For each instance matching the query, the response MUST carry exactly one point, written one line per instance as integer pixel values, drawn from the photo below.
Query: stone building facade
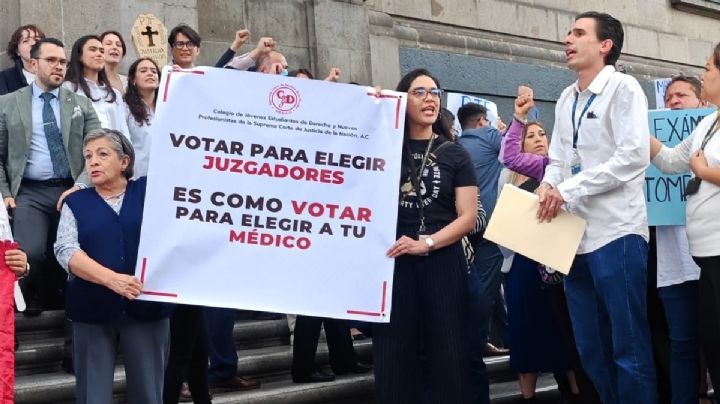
(483, 47)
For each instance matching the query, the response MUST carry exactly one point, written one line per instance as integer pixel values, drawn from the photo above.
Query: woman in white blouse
(115, 50)
(142, 89)
(700, 152)
(86, 76)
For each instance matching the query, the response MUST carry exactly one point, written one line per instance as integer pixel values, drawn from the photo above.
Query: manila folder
(514, 225)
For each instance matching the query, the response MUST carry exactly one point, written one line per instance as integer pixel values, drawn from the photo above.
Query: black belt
(52, 182)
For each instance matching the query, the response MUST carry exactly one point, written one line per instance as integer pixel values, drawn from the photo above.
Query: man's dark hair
(470, 113)
(186, 30)
(35, 50)
(607, 27)
(16, 36)
(693, 81)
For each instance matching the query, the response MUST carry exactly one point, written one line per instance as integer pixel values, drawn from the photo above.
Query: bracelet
(522, 121)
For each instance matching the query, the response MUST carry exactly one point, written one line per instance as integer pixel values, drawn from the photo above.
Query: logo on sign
(285, 98)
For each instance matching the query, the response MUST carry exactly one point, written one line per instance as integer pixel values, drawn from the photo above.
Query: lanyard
(711, 131)
(576, 127)
(416, 180)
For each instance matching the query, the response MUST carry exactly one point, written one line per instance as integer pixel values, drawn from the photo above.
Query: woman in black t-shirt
(438, 194)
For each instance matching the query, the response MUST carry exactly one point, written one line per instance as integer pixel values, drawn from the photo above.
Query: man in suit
(21, 74)
(42, 127)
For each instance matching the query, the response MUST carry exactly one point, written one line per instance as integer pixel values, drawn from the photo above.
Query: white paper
(514, 225)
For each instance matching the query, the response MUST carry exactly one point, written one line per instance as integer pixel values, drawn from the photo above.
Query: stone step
(360, 389)
(41, 347)
(508, 392)
(38, 356)
(345, 389)
(269, 364)
(47, 325)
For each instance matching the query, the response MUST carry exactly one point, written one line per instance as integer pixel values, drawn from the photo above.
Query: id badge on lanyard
(575, 162)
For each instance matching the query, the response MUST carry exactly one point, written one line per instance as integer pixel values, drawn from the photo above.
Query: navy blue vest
(112, 240)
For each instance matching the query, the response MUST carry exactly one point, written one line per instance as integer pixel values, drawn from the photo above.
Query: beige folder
(514, 225)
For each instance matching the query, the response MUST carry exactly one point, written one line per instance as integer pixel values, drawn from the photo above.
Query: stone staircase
(265, 353)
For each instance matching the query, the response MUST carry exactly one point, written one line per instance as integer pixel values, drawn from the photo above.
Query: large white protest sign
(272, 193)
(453, 102)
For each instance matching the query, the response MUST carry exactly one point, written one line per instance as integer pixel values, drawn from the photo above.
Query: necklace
(114, 196)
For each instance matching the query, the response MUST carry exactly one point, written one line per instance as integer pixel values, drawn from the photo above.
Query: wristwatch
(27, 270)
(430, 243)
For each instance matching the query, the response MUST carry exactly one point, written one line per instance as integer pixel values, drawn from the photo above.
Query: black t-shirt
(444, 171)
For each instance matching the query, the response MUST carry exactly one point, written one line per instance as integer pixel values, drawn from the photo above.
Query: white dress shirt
(674, 263)
(110, 114)
(29, 77)
(614, 152)
(141, 141)
(701, 209)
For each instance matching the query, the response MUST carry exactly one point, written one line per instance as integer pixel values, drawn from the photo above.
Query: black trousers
(188, 355)
(709, 318)
(340, 346)
(35, 221)
(429, 315)
(659, 331)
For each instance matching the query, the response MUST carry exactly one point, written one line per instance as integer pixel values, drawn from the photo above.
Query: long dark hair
(76, 71)
(404, 86)
(136, 105)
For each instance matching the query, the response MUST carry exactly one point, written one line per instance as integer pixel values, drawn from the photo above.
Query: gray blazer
(77, 118)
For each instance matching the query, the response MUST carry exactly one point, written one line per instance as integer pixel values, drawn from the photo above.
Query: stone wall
(484, 47)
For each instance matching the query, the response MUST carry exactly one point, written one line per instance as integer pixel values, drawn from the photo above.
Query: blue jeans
(606, 292)
(681, 310)
(484, 280)
(221, 344)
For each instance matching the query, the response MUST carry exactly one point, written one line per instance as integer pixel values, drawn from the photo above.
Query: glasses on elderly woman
(422, 92)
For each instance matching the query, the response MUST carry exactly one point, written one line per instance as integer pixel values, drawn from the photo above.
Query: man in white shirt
(599, 154)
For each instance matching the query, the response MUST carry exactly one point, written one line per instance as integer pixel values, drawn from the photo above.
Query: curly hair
(16, 36)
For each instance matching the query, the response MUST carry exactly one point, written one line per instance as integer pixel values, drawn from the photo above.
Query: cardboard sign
(664, 193)
(149, 36)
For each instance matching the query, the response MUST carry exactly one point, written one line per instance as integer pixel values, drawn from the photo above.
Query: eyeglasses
(180, 45)
(55, 61)
(422, 92)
